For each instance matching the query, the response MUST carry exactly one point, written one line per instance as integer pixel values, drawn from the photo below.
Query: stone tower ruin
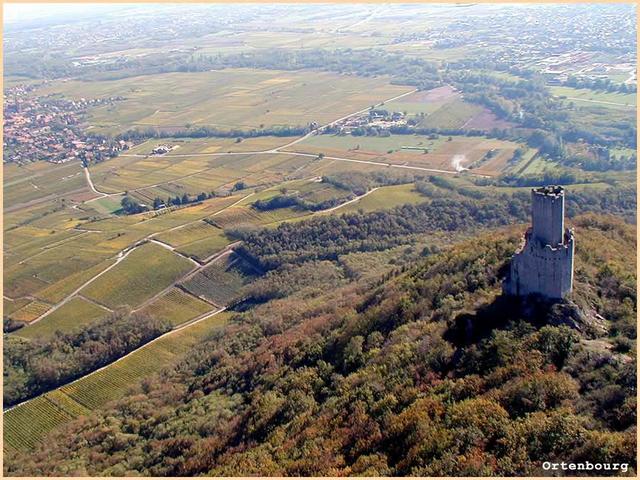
(544, 263)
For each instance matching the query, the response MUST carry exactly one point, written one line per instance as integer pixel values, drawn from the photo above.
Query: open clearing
(227, 99)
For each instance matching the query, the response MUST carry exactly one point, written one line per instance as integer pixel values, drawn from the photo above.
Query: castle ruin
(544, 263)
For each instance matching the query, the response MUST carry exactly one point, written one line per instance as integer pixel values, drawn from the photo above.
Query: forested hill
(426, 371)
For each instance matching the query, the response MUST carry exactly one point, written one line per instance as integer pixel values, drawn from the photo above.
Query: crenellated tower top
(547, 215)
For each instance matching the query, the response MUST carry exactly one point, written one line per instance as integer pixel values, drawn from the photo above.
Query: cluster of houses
(378, 119)
(47, 128)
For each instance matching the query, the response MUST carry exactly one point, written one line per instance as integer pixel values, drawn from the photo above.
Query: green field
(384, 198)
(584, 96)
(73, 315)
(29, 422)
(107, 205)
(177, 307)
(146, 271)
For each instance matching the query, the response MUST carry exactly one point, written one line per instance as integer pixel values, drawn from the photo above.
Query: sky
(24, 12)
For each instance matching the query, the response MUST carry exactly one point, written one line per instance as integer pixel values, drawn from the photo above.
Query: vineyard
(59, 290)
(206, 247)
(188, 234)
(221, 281)
(177, 307)
(146, 271)
(236, 216)
(76, 313)
(29, 422)
(30, 311)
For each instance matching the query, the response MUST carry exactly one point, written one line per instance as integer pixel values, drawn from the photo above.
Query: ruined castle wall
(542, 269)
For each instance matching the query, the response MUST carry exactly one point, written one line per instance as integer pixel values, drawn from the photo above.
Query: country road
(277, 150)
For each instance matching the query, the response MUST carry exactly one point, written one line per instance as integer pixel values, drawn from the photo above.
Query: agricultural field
(30, 311)
(445, 107)
(384, 198)
(144, 272)
(177, 307)
(221, 281)
(188, 234)
(226, 99)
(38, 181)
(582, 96)
(485, 155)
(207, 247)
(187, 146)
(29, 422)
(73, 315)
(173, 174)
(107, 205)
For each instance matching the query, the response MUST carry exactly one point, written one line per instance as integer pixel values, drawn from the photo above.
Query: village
(47, 128)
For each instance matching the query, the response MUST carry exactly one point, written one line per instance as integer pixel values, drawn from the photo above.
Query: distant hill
(424, 370)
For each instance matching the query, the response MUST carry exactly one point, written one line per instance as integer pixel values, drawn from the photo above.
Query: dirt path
(360, 197)
(121, 256)
(126, 251)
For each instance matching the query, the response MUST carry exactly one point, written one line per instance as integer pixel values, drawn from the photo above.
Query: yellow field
(227, 99)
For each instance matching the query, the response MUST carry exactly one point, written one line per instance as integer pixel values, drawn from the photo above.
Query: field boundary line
(359, 197)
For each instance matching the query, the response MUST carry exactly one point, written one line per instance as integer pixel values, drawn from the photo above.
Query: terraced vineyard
(29, 422)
